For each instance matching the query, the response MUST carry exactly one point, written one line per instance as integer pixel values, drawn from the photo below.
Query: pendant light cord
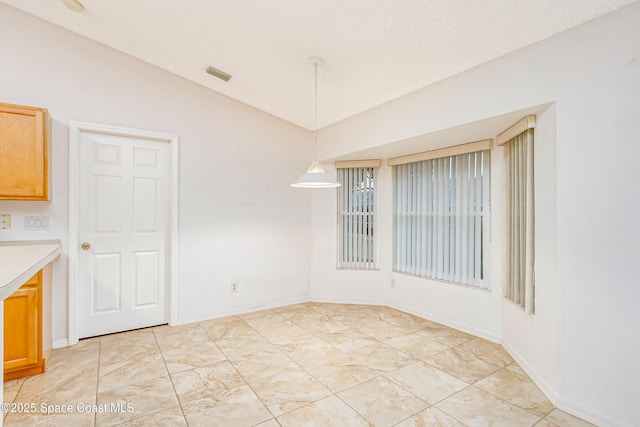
(315, 116)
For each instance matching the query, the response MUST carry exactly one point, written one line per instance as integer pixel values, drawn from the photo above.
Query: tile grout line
(157, 346)
(334, 394)
(166, 367)
(238, 372)
(421, 361)
(331, 393)
(506, 401)
(378, 374)
(297, 364)
(4, 415)
(95, 415)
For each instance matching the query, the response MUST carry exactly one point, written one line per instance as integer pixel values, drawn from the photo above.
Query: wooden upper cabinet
(24, 152)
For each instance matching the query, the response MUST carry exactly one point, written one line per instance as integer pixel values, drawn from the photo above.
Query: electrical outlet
(393, 283)
(234, 288)
(5, 221)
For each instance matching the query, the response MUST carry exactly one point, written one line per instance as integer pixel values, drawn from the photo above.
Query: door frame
(76, 129)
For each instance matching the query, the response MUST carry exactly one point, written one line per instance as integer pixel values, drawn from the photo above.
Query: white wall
(598, 211)
(582, 346)
(533, 339)
(348, 286)
(583, 342)
(239, 220)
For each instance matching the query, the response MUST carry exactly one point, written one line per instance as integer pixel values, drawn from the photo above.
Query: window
(441, 210)
(356, 215)
(519, 280)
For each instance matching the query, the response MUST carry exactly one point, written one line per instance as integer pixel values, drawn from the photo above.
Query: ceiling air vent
(219, 74)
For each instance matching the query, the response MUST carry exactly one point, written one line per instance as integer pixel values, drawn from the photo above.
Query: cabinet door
(21, 319)
(24, 169)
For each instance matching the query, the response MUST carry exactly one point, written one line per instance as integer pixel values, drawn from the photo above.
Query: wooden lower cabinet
(24, 354)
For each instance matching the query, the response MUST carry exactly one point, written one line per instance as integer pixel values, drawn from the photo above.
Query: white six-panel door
(123, 231)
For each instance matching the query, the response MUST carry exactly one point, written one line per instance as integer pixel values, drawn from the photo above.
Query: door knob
(85, 246)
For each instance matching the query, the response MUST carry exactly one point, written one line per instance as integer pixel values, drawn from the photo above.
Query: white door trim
(76, 128)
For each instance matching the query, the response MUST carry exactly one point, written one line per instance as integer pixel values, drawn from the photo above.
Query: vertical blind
(356, 214)
(519, 285)
(441, 218)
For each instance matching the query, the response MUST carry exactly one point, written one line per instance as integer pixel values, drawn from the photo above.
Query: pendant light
(315, 177)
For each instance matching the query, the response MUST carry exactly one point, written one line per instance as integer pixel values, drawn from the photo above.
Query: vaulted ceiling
(374, 50)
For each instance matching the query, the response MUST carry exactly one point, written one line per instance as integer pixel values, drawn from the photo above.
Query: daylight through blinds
(441, 218)
(356, 214)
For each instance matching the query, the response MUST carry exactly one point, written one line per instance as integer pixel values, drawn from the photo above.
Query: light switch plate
(36, 223)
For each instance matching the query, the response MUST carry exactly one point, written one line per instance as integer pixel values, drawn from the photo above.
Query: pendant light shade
(315, 177)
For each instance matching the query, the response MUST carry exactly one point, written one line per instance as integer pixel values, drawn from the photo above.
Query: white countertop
(19, 261)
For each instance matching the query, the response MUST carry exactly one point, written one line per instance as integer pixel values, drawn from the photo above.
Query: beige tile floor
(310, 364)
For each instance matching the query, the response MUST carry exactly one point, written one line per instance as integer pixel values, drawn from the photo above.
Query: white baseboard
(533, 374)
(558, 401)
(243, 310)
(455, 325)
(339, 300)
(587, 414)
(571, 407)
(61, 343)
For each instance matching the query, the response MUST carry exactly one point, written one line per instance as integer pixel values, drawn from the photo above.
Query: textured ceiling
(374, 50)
